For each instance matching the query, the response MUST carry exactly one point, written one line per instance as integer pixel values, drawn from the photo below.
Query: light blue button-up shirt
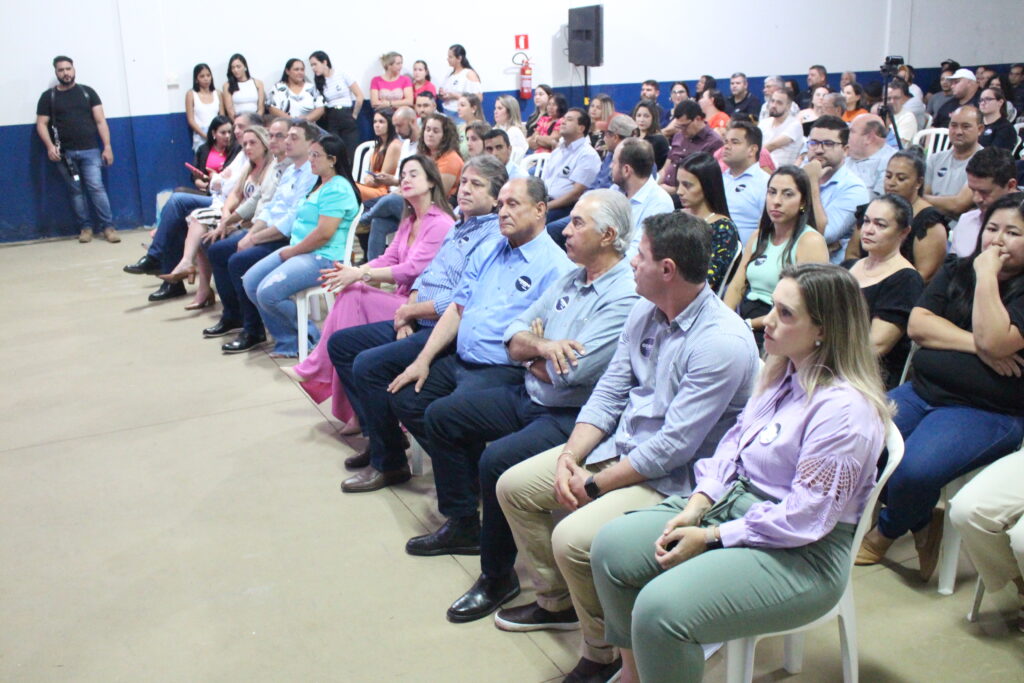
(498, 286)
(291, 191)
(840, 197)
(438, 281)
(592, 314)
(672, 390)
(745, 196)
(650, 200)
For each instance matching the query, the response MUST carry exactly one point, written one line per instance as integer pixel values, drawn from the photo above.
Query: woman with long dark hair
(461, 81)
(964, 405)
(343, 98)
(702, 193)
(785, 235)
(319, 237)
(647, 115)
(294, 96)
(998, 131)
(242, 92)
(541, 94)
(202, 103)
(386, 150)
(421, 79)
(426, 219)
(217, 152)
(545, 134)
(856, 101)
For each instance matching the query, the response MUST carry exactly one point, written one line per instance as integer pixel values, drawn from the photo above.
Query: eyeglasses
(678, 92)
(987, 99)
(827, 144)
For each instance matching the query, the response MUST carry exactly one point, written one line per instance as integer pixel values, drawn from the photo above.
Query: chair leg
(739, 660)
(979, 593)
(793, 653)
(848, 636)
(949, 556)
(415, 457)
(302, 325)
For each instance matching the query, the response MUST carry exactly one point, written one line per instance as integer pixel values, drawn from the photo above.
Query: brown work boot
(85, 235)
(111, 235)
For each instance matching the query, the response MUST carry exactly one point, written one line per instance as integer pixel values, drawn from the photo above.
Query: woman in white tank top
(202, 103)
(461, 81)
(242, 93)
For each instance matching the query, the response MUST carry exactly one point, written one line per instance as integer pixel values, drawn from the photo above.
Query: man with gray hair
(565, 339)
(868, 155)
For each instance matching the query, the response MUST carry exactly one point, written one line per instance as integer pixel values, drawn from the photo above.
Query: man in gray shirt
(945, 180)
(565, 339)
(681, 373)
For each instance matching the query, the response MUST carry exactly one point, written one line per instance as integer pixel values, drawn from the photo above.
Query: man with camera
(69, 117)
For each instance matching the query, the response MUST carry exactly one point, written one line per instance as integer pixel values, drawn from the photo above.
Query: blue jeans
(383, 217)
(517, 428)
(90, 171)
(169, 242)
(270, 284)
(556, 227)
(365, 370)
(229, 265)
(942, 443)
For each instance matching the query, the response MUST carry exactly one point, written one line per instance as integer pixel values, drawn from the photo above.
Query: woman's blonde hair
(263, 135)
(387, 58)
(515, 116)
(834, 302)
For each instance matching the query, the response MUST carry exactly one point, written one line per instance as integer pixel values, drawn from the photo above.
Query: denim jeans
(229, 266)
(90, 171)
(270, 284)
(556, 228)
(383, 217)
(169, 241)
(942, 443)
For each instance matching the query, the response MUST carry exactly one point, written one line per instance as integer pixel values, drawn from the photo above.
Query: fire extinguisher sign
(523, 41)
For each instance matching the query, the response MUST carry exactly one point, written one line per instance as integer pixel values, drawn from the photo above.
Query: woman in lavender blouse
(776, 505)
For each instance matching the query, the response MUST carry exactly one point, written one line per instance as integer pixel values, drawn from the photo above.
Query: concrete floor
(170, 513)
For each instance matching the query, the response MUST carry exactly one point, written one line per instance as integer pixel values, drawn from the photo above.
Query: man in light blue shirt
(632, 163)
(682, 371)
(368, 357)
(565, 339)
(746, 183)
(835, 191)
(573, 165)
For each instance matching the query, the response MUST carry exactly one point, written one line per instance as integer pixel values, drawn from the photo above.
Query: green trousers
(719, 595)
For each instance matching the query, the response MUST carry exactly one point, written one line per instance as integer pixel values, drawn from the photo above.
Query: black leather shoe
(455, 537)
(484, 597)
(147, 265)
(243, 342)
(221, 328)
(369, 479)
(587, 671)
(359, 460)
(169, 290)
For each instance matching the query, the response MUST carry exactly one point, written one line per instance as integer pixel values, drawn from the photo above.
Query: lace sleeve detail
(832, 481)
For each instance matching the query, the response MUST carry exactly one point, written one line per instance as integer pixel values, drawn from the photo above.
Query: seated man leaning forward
(681, 373)
(466, 349)
(368, 357)
(565, 340)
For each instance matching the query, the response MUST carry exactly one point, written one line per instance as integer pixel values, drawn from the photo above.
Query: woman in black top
(647, 114)
(964, 407)
(220, 138)
(998, 132)
(889, 282)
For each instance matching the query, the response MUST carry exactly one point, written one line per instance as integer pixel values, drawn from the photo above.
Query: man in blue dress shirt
(368, 357)
(746, 183)
(565, 339)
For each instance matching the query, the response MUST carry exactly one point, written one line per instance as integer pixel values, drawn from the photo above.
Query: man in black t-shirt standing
(69, 118)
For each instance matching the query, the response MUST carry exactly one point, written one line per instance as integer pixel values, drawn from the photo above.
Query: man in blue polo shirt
(746, 183)
(835, 191)
(572, 167)
(368, 357)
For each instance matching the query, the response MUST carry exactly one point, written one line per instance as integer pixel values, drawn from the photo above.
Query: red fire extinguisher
(525, 80)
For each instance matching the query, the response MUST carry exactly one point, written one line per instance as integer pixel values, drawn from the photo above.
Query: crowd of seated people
(555, 340)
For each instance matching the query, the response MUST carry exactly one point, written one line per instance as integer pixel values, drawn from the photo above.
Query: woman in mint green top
(786, 235)
(318, 238)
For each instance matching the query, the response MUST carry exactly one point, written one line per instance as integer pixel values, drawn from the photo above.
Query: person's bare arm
(884, 336)
(778, 143)
(954, 204)
(104, 131)
(568, 199)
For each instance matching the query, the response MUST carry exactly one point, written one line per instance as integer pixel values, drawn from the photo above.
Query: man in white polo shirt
(746, 183)
(572, 166)
(783, 134)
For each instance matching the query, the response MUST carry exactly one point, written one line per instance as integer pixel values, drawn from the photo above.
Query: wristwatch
(366, 277)
(711, 541)
(590, 486)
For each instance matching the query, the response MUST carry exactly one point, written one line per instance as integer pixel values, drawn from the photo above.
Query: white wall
(133, 52)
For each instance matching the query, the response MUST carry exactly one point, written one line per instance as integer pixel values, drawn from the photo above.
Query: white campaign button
(770, 433)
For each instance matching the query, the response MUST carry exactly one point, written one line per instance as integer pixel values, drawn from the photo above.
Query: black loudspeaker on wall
(586, 42)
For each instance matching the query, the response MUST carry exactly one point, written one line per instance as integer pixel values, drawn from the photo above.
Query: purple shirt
(706, 140)
(817, 456)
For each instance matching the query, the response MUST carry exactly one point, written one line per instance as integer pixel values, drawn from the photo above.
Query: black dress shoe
(369, 479)
(359, 460)
(587, 671)
(147, 265)
(455, 537)
(169, 290)
(243, 342)
(484, 597)
(221, 328)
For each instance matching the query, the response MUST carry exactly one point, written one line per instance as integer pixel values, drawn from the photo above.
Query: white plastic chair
(932, 140)
(535, 162)
(730, 271)
(739, 653)
(949, 551)
(362, 160)
(1018, 151)
(308, 300)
